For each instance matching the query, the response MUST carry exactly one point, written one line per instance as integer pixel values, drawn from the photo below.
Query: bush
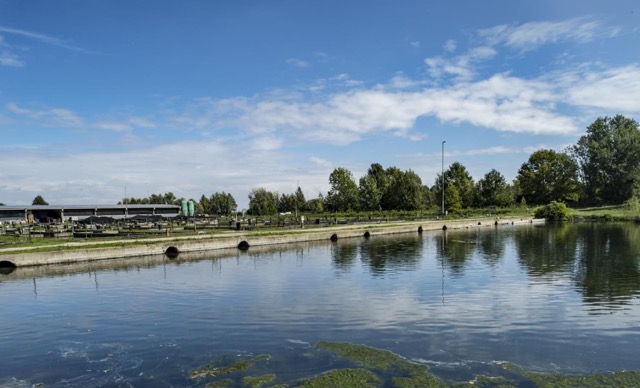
(554, 211)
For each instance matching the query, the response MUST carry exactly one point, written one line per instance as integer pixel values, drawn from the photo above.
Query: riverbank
(74, 252)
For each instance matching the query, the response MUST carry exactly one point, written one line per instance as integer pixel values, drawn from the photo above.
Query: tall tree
(371, 188)
(369, 193)
(403, 190)
(457, 176)
(493, 190)
(263, 202)
(343, 195)
(300, 200)
(287, 203)
(38, 200)
(548, 176)
(609, 159)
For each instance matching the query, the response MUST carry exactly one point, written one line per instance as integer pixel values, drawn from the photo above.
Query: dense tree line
(215, 204)
(603, 168)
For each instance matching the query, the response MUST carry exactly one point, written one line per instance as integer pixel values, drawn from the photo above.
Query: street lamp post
(444, 141)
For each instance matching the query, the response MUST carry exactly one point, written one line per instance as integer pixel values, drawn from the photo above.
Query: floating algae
(220, 384)
(353, 378)
(370, 367)
(402, 372)
(258, 381)
(521, 377)
(236, 366)
(363, 355)
(616, 379)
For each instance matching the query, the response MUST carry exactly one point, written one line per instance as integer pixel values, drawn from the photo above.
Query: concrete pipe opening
(367, 234)
(6, 267)
(334, 237)
(419, 229)
(172, 252)
(243, 246)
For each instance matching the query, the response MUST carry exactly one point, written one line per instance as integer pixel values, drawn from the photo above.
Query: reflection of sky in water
(475, 295)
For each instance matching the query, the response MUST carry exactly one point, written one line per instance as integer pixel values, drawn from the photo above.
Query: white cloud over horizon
(271, 137)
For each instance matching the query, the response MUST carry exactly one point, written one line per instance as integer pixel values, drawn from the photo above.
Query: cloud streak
(41, 38)
(530, 36)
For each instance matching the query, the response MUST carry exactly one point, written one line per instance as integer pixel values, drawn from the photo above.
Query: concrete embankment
(84, 252)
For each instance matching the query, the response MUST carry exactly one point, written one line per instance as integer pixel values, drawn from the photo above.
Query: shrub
(554, 211)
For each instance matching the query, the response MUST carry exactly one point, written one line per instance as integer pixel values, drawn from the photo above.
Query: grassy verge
(607, 213)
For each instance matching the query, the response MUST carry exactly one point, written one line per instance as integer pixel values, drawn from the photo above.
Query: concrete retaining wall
(138, 248)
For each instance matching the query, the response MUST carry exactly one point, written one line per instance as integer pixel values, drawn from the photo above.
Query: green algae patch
(483, 381)
(214, 370)
(401, 372)
(362, 355)
(353, 378)
(220, 384)
(616, 379)
(258, 381)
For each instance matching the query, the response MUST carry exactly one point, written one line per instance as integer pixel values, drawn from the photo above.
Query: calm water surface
(548, 298)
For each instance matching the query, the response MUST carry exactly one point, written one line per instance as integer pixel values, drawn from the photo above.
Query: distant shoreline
(75, 252)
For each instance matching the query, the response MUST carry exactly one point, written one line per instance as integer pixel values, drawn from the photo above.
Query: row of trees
(602, 168)
(219, 203)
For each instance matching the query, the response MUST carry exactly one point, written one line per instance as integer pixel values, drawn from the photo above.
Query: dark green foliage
(258, 381)
(263, 202)
(343, 195)
(548, 176)
(403, 191)
(370, 194)
(554, 211)
(39, 201)
(458, 188)
(609, 160)
(218, 203)
(160, 199)
(493, 190)
(340, 378)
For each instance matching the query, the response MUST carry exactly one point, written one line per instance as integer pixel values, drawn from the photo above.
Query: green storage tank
(184, 208)
(192, 208)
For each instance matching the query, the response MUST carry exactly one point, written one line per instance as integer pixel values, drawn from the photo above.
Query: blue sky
(198, 97)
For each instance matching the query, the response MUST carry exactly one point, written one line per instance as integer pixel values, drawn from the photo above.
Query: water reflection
(607, 263)
(491, 245)
(344, 253)
(456, 248)
(547, 249)
(530, 295)
(392, 253)
(601, 259)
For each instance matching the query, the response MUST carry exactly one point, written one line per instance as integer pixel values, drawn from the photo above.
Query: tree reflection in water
(601, 259)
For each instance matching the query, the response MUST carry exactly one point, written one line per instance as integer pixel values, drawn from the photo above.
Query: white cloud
(615, 89)
(125, 125)
(298, 63)
(9, 59)
(462, 66)
(145, 170)
(58, 117)
(113, 126)
(502, 150)
(266, 143)
(530, 36)
(41, 38)
(450, 45)
(321, 162)
(415, 43)
(142, 122)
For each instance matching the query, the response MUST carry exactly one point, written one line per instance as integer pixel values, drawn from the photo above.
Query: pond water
(549, 298)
